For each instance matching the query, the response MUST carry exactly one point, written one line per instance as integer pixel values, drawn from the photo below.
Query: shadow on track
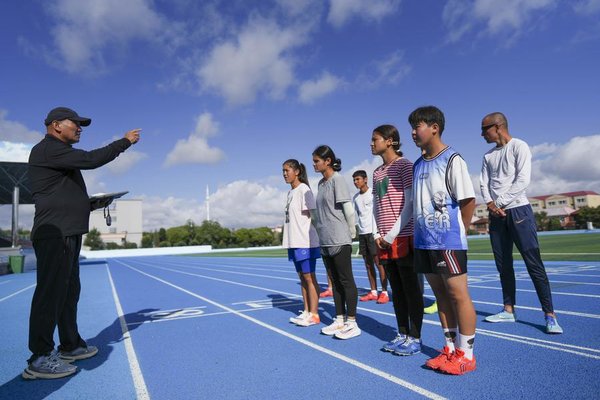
(19, 388)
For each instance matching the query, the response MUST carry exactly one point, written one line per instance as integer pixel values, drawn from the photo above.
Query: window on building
(562, 202)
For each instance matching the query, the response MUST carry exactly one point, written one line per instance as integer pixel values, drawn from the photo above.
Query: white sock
(374, 292)
(384, 291)
(340, 319)
(465, 343)
(450, 336)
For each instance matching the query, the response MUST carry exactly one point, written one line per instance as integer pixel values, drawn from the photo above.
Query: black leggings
(406, 295)
(345, 294)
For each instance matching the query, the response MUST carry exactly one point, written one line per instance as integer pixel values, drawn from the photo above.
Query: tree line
(208, 233)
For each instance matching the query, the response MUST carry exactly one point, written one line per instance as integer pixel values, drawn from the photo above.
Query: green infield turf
(566, 247)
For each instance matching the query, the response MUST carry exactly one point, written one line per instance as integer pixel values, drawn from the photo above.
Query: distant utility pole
(207, 204)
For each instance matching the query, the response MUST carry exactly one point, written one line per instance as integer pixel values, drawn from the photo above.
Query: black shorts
(366, 245)
(448, 262)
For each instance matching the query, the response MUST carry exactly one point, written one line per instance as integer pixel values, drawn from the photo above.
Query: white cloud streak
(342, 11)
(507, 18)
(13, 131)
(312, 90)
(195, 149)
(257, 61)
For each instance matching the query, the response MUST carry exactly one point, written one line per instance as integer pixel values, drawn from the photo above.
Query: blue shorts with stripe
(446, 262)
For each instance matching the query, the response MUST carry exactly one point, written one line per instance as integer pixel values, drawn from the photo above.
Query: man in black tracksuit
(62, 212)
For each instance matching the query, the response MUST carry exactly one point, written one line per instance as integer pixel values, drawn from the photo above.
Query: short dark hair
(428, 114)
(361, 172)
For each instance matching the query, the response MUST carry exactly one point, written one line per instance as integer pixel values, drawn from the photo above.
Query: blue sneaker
(409, 347)
(552, 325)
(391, 345)
(502, 316)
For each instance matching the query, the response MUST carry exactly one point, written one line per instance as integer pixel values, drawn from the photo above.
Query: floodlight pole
(15, 217)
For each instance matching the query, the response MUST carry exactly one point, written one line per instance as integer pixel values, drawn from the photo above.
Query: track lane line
(392, 378)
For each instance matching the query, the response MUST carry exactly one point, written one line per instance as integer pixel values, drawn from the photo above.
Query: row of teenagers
(420, 215)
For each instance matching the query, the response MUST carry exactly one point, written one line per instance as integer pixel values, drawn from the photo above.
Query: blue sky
(226, 90)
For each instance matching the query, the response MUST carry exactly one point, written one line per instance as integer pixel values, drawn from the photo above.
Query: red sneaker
(440, 359)
(368, 297)
(383, 298)
(458, 364)
(326, 293)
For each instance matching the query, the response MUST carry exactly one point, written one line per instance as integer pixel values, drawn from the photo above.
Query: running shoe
(302, 315)
(409, 347)
(80, 353)
(432, 309)
(458, 364)
(368, 297)
(326, 293)
(348, 331)
(439, 360)
(391, 345)
(310, 319)
(502, 316)
(383, 298)
(332, 329)
(552, 325)
(48, 367)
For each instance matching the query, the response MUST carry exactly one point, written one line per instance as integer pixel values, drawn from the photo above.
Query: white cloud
(125, 161)
(342, 11)
(13, 131)
(587, 7)
(88, 31)
(507, 18)
(256, 61)
(310, 91)
(389, 71)
(14, 152)
(195, 149)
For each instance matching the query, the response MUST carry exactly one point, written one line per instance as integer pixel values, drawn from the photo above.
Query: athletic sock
(374, 292)
(340, 319)
(465, 343)
(450, 336)
(384, 291)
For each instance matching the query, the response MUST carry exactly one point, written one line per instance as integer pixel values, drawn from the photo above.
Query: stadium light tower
(207, 204)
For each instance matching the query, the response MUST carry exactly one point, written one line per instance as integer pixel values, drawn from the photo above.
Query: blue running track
(217, 328)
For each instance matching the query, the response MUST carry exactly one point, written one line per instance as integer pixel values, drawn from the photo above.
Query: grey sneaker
(80, 353)
(502, 316)
(552, 325)
(48, 367)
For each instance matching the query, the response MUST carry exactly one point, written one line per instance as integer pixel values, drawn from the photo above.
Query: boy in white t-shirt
(363, 205)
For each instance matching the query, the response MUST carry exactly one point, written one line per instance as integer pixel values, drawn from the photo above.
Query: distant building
(561, 205)
(126, 222)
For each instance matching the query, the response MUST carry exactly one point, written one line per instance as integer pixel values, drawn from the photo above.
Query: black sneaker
(80, 353)
(48, 367)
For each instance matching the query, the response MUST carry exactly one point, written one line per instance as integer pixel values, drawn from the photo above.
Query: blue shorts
(305, 260)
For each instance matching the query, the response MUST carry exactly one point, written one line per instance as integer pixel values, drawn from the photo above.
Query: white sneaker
(349, 330)
(299, 317)
(332, 329)
(311, 319)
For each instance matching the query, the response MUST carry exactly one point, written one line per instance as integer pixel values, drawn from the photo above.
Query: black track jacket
(62, 204)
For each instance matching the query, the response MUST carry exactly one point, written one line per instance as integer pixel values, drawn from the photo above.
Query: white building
(126, 222)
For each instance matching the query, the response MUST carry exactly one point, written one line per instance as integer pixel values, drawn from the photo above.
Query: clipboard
(107, 196)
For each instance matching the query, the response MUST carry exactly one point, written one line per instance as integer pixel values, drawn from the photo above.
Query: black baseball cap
(62, 113)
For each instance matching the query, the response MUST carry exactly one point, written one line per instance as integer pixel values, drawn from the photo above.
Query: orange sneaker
(326, 293)
(383, 298)
(458, 364)
(368, 297)
(439, 360)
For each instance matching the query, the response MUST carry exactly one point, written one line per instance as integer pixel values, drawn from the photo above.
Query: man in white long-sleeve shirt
(504, 179)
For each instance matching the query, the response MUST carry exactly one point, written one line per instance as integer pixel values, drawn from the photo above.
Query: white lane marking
(595, 296)
(17, 292)
(394, 379)
(574, 313)
(139, 383)
(3, 282)
(527, 340)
